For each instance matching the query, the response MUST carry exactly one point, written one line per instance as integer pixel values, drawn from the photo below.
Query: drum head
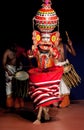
(21, 75)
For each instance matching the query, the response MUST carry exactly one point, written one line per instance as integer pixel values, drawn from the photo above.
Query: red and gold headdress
(46, 21)
(46, 18)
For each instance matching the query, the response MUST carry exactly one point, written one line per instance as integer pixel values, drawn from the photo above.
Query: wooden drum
(20, 84)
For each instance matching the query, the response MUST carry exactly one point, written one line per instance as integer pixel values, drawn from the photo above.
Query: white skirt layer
(12, 69)
(64, 89)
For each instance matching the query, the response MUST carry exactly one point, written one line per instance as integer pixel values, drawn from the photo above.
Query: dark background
(16, 26)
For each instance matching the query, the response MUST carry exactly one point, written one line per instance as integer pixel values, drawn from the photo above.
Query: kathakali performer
(45, 79)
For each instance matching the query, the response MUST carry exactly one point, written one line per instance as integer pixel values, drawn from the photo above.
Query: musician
(62, 60)
(9, 62)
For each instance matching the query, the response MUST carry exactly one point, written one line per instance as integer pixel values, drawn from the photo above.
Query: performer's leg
(38, 120)
(22, 104)
(9, 97)
(9, 89)
(65, 102)
(65, 92)
(46, 114)
(9, 101)
(16, 103)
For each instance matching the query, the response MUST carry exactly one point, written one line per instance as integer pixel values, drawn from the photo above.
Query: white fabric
(64, 89)
(12, 69)
(62, 63)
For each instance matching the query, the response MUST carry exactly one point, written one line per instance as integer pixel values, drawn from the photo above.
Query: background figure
(11, 63)
(21, 54)
(63, 61)
(2, 88)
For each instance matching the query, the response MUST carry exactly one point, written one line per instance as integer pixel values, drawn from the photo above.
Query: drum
(70, 76)
(20, 84)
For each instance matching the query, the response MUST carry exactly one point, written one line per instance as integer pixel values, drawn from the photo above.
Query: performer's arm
(4, 62)
(69, 45)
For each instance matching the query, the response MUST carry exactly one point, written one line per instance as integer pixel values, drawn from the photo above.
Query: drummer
(9, 64)
(62, 60)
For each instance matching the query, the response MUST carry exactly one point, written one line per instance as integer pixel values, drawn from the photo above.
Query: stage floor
(69, 118)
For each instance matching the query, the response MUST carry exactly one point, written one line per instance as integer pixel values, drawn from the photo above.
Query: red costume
(44, 81)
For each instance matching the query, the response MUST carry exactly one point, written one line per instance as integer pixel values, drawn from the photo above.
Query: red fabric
(44, 86)
(53, 73)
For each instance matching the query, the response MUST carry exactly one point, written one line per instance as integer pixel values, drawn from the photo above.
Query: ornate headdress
(46, 18)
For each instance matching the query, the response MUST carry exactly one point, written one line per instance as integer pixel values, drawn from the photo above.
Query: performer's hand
(69, 42)
(68, 39)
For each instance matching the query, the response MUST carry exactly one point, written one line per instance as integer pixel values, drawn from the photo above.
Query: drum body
(20, 84)
(70, 76)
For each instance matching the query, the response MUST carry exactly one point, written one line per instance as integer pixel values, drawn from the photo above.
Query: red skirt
(44, 85)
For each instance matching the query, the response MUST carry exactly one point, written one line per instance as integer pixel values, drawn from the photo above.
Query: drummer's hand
(69, 42)
(9, 73)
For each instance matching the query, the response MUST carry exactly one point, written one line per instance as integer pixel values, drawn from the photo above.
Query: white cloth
(12, 69)
(64, 89)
